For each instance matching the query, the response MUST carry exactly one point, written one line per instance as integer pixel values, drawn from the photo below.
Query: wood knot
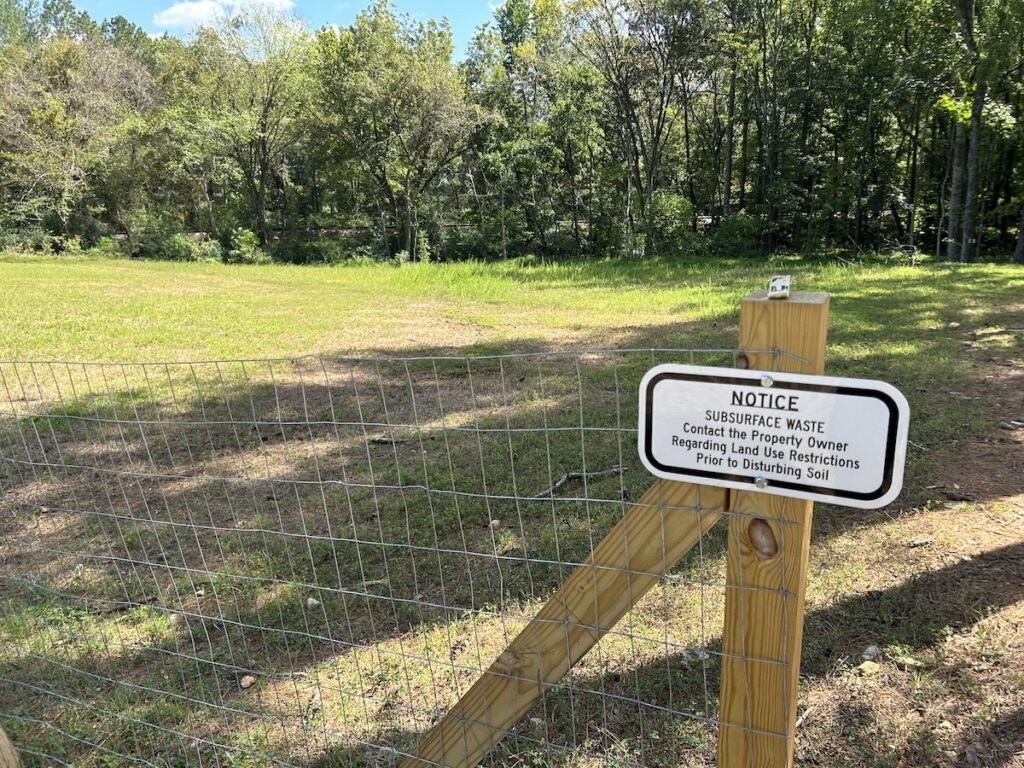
(762, 538)
(508, 661)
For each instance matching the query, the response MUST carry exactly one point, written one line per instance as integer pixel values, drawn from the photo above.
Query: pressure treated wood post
(769, 539)
(8, 756)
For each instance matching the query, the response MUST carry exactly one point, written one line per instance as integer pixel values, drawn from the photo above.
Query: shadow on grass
(1000, 742)
(605, 713)
(916, 616)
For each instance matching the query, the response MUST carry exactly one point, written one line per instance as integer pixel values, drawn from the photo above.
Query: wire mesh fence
(309, 561)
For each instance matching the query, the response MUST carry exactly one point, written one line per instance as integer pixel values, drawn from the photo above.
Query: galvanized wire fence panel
(308, 561)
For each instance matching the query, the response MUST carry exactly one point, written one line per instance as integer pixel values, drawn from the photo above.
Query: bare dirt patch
(921, 658)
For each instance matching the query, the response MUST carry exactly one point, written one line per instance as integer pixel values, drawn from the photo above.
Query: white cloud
(190, 13)
(282, 6)
(187, 14)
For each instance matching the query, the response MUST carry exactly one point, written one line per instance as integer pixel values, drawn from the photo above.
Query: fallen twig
(617, 469)
(804, 716)
(382, 440)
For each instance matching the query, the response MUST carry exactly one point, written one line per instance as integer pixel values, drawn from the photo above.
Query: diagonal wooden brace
(665, 524)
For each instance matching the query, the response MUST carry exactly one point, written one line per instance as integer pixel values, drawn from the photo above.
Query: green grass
(132, 311)
(886, 322)
(242, 555)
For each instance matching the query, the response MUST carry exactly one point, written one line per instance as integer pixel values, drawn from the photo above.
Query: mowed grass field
(130, 311)
(166, 526)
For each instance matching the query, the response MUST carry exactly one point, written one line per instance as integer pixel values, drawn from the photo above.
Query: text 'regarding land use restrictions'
(811, 437)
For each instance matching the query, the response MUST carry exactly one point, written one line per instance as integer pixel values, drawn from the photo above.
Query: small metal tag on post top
(778, 287)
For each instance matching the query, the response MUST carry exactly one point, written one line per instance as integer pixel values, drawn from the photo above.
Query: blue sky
(179, 16)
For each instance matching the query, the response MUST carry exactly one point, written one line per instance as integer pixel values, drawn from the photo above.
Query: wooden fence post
(8, 756)
(769, 540)
(764, 599)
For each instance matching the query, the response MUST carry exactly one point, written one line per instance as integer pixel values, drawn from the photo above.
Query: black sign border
(890, 438)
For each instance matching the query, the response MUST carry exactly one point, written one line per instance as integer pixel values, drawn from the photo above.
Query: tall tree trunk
(956, 192)
(742, 201)
(774, 128)
(833, 204)
(1006, 183)
(912, 192)
(897, 222)
(806, 171)
(504, 228)
(858, 220)
(590, 200)
(760, 182)
(208, 198)
(569, 165)
(384, 239)
(1018, 253)
(962, 234)
(650, 248)
(691, 191)
(942, 191)
(970, 225)
(729, 136)
(262, 181)
(408, 235)
(261, 216)
(254, 187)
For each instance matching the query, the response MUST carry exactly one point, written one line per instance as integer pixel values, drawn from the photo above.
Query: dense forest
(569, 127)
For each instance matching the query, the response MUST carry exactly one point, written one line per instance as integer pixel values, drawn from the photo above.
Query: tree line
(582, 127)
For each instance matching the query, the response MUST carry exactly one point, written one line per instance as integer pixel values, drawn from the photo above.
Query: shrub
(422, 247)
(467, 243)
(207, 249)
(673, 215)
(70, 245)
(673, 221)
(365, 253)
(299, 252)
(152, 239)
(335, 251)
(178, 248)
(106, 248)
(32, 238)
(737, 235)
(89, 228)
(160, 240)
(244, 248)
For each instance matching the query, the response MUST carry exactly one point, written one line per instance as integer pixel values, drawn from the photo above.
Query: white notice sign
(825, 438)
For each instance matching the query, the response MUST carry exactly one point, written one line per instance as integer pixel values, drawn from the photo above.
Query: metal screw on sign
(767, 382)
(761, 482)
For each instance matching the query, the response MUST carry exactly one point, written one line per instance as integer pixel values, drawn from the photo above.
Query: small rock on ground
(869, 668)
